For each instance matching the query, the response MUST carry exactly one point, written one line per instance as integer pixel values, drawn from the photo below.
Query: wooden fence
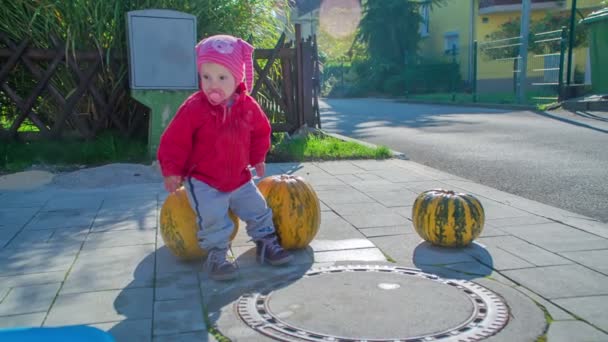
(287, 86)
(48, 93)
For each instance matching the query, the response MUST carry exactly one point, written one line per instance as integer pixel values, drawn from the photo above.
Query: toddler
(217, 134)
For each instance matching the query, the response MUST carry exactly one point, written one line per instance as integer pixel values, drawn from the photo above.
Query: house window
(451, 42)
(424, 25)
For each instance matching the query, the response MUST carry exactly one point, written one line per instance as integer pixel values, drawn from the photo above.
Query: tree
(389, 29)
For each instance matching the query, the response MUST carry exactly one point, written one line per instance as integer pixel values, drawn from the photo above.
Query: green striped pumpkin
(446, 218)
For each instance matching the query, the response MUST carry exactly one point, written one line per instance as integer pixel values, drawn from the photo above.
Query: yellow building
(461, 22)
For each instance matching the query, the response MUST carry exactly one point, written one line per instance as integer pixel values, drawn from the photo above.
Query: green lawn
(110, 148)
(107, 148)
(315, 147)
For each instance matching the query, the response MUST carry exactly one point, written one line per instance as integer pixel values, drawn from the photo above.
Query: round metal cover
(373, 303)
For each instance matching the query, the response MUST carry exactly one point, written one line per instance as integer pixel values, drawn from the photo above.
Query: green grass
(111, 148)
(107, 148)
(314, 147)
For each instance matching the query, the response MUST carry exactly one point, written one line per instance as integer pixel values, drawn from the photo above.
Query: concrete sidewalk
(94, 256)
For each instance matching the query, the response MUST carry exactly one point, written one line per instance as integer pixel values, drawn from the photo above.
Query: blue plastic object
(75, 333)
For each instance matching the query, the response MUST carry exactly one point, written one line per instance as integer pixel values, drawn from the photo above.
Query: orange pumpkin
(178, 226)
(295, 207)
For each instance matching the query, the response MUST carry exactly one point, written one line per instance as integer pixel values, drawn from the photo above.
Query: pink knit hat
(233, 53)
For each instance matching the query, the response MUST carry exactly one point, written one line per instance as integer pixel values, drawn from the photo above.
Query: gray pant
(211, 208)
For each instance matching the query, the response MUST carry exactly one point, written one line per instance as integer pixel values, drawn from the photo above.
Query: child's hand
(260, 169)
(172, 183)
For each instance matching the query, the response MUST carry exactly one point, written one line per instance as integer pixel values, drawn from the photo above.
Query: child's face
(217, 81)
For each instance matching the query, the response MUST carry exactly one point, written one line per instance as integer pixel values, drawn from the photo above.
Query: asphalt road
(520, 152)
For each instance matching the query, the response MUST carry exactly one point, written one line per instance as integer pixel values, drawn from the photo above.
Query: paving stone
(568, 331)
(350, 179)
(197, 336)
(16, 216)
(324, 207)
(246, 257)
(7, 234)
(425, 185)
(177, 316)
(369, 164)
(556, 313)
(384, 231)
(319, 183)
(22, 321)
(27, 238)
(166, 262)
(147, 222)
(363, 254)
(68, 236)
(16, 262)
(101, 306)
(405, 211)
(32, 279)
(90, 202)
(489, 230)
(400, 176)
(107, 216)
(344, 209)
(464, 270)
(561, 281)
(558, 237)
(399, 248)
(177, 285)
(329, 245)
(394, 198)
(29, 299)
(591, 309)
(119, 238)
(347, 196)
(377, 185)
(595, 260)
(337, 229)
(524, 250)
(130, 204)
(517, 221)
(339, 167)
(97, 269)
(377, 220)
(495, 210)
(329, 215)
(430, 255)
(129, 330)
(501, 260)
(24, 200)
(62, 218)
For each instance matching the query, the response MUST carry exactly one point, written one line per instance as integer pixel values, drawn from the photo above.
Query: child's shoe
(269, 250)
(218, 266)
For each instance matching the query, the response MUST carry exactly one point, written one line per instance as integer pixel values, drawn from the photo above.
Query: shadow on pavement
(182, 295)
(465, 263)
(219, 297)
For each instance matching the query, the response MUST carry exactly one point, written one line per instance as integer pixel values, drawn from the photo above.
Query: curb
(396, 154)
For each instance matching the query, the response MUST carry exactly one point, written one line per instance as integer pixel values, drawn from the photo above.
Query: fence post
(562, 52)
(475, 71)
(454, 73)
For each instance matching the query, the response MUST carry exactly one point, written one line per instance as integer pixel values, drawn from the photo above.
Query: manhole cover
(373, 303)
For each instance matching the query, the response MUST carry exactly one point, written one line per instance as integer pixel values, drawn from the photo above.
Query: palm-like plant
(389, 29)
